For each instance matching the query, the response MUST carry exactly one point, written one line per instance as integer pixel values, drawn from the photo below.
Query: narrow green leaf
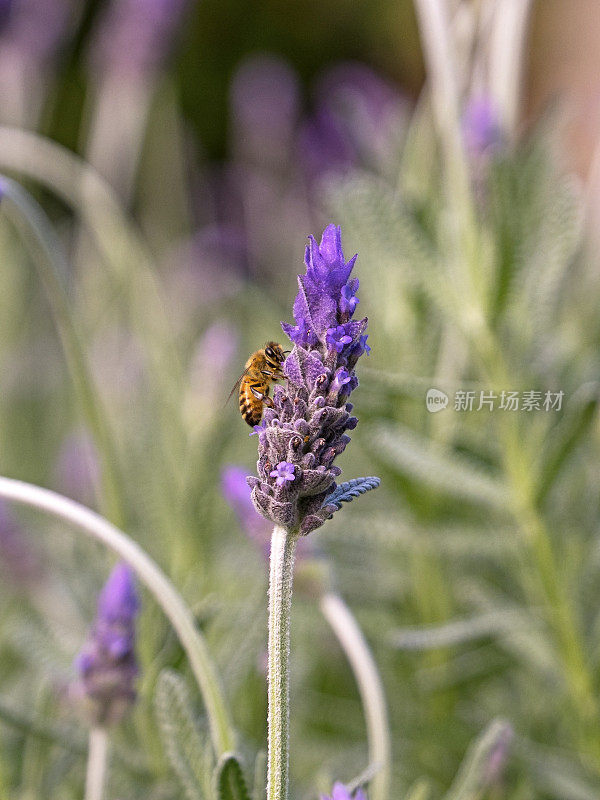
(229, 779)
(180, 733)
(458, 632)
(483, 763)
(427, 462)
(579, 415)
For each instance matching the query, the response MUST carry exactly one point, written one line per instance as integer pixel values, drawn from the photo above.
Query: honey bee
(262, 369)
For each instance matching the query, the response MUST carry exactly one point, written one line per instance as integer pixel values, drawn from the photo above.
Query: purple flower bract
(341, 793)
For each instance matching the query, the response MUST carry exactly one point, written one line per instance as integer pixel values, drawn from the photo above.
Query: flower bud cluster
(305, 428)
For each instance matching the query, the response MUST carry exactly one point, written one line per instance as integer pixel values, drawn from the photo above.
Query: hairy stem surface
(283, 548)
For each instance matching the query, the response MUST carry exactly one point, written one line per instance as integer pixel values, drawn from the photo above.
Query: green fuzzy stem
(283, 548)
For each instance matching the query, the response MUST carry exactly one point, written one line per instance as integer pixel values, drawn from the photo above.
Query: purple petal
(118, 599)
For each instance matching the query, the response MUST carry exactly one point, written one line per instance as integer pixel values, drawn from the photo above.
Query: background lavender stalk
(107, 663)
(97, 764)
(31, 34)
(131, 41)
(107, 670)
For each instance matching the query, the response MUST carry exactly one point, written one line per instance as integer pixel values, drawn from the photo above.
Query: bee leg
(260, 396)
(277, 376)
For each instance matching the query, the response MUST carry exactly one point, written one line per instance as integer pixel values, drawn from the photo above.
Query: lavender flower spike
(304, 430)
(107, 664)
(341, 793)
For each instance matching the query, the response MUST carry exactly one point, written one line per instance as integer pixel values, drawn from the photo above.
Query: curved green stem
(283, 548)
(51, 265)
(357, 651)
(97, 764)
(165, 594)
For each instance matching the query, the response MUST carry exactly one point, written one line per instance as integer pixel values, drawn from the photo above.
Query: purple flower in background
(217, 346)
(134, 36)
(212, 356)
(107, 665)
(6, 7)
(238, 495)
(304, 430)
(481, 126)
(77, 471)
(498, 756)
(35, 28)
(264, 109)
(203, 270)
(357, 122)
(20, 562)
(324, 147)
(341, 793)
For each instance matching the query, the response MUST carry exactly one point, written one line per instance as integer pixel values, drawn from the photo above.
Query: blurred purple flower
(205, 269)
(237, 493)
(20, 563)
(357, 121)
(6, 7)
(341, 793)
(481, 126)
(77, 471)
(134, 36)
(264, 109)
(35, 28)
(324, 147)
(106, 664)
(212, 357)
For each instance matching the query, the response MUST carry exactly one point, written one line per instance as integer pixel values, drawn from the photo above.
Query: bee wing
(236, 384)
